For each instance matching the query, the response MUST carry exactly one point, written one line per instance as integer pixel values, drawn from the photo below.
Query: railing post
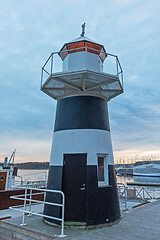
(25, 200)
(21, 180)
(45, 177)
(143, 193)
(123, 186)
(122, 78)
(63, 203)
(51, 63)
(117, 64)
(30, 202)
(138, 194)
(125, 190)
(44, 196)
(42, 77)
(85, 56)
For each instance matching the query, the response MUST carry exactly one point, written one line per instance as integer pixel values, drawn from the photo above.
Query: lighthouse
(81, 161)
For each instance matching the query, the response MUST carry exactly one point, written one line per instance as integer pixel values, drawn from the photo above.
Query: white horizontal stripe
(90, 141)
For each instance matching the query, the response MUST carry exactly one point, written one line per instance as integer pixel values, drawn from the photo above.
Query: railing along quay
(135, 194)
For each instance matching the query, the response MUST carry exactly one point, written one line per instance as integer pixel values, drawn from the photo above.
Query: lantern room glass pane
(102, 54)
(63, 53)
(77, 46)
(92, 46)
(101, 169)
(83, 46)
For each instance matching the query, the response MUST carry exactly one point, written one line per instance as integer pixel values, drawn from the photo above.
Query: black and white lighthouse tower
(81, 162)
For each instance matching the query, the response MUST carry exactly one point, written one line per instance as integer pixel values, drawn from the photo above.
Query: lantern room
(83, 71)
(82, 53)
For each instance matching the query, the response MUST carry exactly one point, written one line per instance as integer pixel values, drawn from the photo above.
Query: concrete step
(9, 231)
(10, 235)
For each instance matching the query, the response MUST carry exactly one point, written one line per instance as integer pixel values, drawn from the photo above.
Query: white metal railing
(141, 194)
(23, 180)
(122, 191)
(35, 184)
(131, 195)
(28, 197)
(54, 64)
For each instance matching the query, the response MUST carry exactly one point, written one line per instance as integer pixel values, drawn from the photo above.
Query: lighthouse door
(74, 186)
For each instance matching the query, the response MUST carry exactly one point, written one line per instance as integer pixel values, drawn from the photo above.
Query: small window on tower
(102, 170)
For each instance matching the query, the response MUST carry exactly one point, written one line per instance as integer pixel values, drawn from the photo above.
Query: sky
(30, 30)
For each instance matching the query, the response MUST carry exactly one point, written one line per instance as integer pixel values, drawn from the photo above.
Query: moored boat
(8, 186)
(121, 171)
(147, 169)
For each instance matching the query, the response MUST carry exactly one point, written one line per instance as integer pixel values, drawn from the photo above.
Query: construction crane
(11, 160)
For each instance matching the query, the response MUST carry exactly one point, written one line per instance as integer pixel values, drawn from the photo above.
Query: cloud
(30, 32)
(28, 148)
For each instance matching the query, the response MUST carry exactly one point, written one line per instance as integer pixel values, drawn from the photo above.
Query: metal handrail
(30, 200)
(143, 190)
(39, 183)
(123, 186)
(50, 58)
(140, 193)
(70, 50)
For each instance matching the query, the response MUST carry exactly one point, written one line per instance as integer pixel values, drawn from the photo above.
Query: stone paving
(141, 223)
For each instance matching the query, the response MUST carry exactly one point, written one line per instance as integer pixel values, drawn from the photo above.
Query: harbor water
(29, 175)
(32, 175)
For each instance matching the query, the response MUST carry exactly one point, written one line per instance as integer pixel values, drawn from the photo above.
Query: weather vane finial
(83, 29)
